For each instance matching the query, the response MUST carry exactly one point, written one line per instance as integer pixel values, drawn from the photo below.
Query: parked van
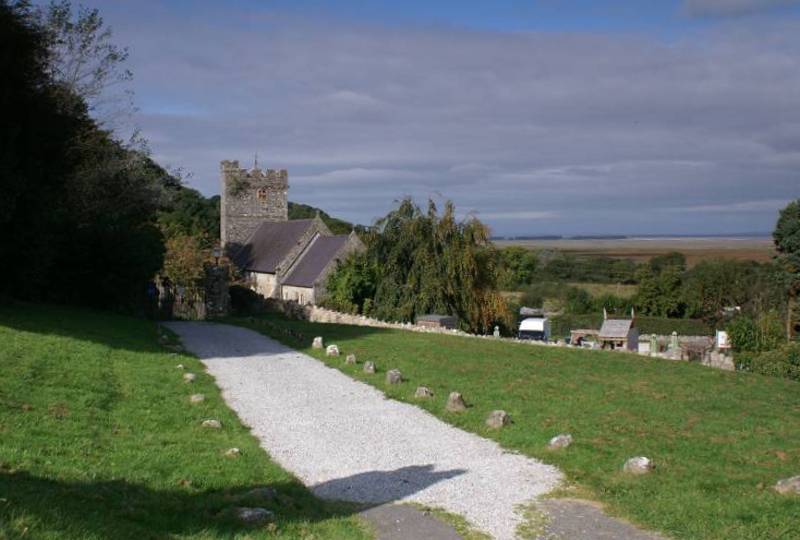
(535, 328)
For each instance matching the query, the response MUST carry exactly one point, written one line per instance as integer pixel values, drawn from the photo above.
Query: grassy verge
(719, 440)
(98, 440)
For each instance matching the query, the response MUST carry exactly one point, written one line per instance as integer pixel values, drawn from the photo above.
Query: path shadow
(121, 509)
(378, 487)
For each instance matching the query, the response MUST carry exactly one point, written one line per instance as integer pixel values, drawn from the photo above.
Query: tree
(426, 262)
(787, 244)
(516, 267)
(84, 60)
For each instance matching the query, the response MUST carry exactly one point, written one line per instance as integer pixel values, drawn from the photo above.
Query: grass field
(643, 249)
(719, 440)
(98, 440)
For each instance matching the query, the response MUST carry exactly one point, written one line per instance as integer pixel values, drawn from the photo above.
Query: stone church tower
(248, 199)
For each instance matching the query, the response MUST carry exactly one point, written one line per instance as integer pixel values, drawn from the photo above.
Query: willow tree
(427, 262)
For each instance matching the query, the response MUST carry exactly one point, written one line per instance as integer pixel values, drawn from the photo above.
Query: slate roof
(270, 244)
(615, 328)
(311, 264)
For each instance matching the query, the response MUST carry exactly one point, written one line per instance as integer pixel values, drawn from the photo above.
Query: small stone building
(618, 334)
(281, 258)
(437, 321)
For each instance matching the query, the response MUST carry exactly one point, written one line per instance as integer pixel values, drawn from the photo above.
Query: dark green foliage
(186, 212)
(424, 262)
(565, 267)
(78, 210)
(669, 260)
(763, 333)
(787, 243)
(304, 211)
(516, 267)
(782, 362)
(352, 287)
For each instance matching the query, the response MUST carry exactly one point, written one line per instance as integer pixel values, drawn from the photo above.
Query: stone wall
(248, 199)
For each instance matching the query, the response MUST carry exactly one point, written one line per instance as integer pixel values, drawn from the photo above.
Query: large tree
(787, 244)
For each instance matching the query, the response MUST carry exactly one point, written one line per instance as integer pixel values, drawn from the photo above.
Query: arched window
(261, 194)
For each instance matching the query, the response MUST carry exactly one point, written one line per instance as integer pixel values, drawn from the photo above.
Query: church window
(261, 194)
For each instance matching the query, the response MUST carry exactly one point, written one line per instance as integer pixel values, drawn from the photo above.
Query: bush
(762, 334)
(783, 362)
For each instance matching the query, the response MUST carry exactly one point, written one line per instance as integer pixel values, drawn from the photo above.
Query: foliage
(716, 284)
(566, 267)
(83, 58)
(100, 441)
(713, 435)
(352, 287)
(184, 211)
(660, 291)
(781, 362)
(185, 260)
(337, 226)
(756, 335)
(516, 267)
(77, 206)
(787, 244)
(424, 262)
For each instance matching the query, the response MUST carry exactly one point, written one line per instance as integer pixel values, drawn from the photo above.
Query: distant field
(642, 249)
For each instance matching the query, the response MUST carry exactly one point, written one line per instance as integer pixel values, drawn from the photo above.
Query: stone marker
(638, 465)
(254, 515)
(498, 419)
(560, 441)
(350, 359)
(332, 350)
(423, 392)
(214, 424)
(189, 377)
(455, 402)
(369, 367)
(233, 452)
(393, 376)
(197, 398)
(263, 493)
(317, 344)
(788, 486)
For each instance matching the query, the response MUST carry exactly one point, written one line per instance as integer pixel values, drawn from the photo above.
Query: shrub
(783, 362)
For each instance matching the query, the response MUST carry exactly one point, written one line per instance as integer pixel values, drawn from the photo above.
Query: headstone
(197, 398)
(788, 486)
(673, 341)
(423, 392)
(213, 424)
(393, 376)
(369, 367)
(496, 332)
(653, 345)
(254, 516)
(560, 441)
(498, 419)
(455, 402)
(350, 359)
(233, 452)
(189, 377)
(317, 343)
(332, 350)
(638, 465)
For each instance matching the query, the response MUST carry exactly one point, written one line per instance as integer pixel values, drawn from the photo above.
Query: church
(280, 258)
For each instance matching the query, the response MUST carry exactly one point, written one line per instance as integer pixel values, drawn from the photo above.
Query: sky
(568, 117)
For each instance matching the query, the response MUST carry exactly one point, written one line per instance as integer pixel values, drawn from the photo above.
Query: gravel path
(346, 441)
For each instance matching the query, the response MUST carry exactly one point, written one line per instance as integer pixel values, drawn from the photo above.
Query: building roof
(270, 245)
(312, 263)
(615, 328)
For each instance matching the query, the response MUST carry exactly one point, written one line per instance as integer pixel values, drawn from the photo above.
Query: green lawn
(98, 440)
(719, 440)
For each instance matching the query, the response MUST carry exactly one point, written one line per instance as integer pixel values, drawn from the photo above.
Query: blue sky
(552, 117)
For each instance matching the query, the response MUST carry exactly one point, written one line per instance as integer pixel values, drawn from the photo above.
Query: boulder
(197, 398)
(393, 376)
(369, 367)
(180, 366)
(560, 441)
(498, 419)
(788, 486)
(317, 343)
(233, 452)
(332, 350)
(213, 424)
(189, 377)
(254, 516)
(455, 402)
(423, 392)
(350, 359)
(638, 465)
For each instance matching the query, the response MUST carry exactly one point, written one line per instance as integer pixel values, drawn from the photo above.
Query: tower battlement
(250, 197)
